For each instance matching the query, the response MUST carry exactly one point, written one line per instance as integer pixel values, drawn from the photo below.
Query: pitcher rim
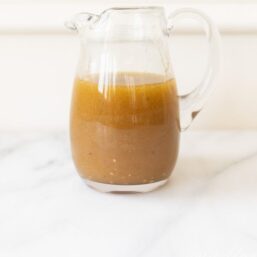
(131, 8)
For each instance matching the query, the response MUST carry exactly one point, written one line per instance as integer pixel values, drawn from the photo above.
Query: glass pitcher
(126, 115)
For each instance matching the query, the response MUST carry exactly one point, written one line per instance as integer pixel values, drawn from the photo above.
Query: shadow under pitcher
(126, 116)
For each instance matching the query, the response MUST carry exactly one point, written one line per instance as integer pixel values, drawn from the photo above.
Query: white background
(38, 59)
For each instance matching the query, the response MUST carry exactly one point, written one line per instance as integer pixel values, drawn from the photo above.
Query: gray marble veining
(208, 208)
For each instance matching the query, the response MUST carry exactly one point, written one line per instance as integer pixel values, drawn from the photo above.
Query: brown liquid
(125, 132)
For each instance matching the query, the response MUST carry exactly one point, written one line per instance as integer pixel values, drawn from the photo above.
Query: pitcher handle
(192, 103)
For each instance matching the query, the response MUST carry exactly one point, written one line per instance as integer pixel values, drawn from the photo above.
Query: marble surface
(208, 208)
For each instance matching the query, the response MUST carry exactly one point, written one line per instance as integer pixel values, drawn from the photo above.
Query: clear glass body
(125, 123)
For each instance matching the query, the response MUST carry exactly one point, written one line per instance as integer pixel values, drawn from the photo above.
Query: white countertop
(208, 208)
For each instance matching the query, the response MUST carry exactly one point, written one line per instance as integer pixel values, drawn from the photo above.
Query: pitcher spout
(81, 20)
